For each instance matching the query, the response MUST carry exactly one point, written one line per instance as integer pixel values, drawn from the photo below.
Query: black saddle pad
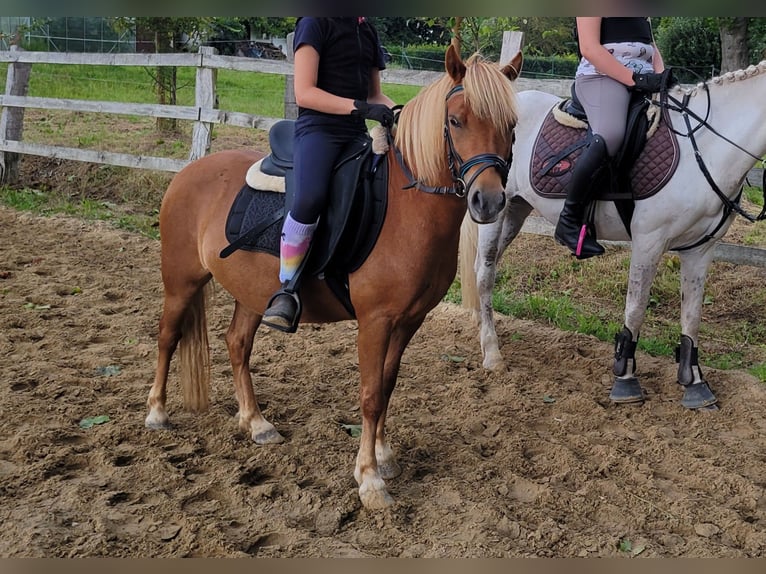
(250, 207)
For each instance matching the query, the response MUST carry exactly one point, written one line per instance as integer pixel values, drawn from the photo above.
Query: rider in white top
(618, 56)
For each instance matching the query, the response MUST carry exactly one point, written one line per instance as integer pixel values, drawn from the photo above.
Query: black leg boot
(571, 230)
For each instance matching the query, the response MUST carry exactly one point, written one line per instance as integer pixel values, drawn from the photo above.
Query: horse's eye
(454, 122)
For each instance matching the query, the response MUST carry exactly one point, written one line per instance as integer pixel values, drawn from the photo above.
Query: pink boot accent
(583, 233)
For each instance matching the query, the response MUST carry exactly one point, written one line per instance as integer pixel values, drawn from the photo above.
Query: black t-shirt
(626, 30)
(348, 51)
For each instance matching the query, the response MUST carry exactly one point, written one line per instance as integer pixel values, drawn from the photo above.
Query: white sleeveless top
(636, 56)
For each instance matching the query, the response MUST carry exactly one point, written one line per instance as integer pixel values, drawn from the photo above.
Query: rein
(458, 167)
(729, 205)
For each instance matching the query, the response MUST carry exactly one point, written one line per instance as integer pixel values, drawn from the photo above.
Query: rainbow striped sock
(296, 238)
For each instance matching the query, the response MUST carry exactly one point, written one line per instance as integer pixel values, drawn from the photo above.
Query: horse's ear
(454, 64)
(512, 69)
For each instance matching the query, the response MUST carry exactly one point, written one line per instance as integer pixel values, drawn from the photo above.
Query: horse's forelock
(489, 93)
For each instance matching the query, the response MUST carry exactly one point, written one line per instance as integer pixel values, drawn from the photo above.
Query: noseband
(459, 168)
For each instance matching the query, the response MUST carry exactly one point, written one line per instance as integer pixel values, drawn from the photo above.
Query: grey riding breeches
(605, 102)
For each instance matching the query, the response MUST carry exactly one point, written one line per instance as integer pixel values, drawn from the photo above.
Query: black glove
(378, 112)
(648, 83)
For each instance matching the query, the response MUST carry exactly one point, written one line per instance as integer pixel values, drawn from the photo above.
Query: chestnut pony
(470, 112)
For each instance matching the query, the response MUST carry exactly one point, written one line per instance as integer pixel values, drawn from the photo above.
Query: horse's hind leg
(239, 341)
(494, 239)
(694, 267)
(175, 307)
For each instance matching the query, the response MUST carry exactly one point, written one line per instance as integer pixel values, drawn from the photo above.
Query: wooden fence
(204, 114)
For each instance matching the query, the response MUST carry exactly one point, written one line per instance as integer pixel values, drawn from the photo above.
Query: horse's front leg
(384, 454)
(694, 267)
(493, 240)
(644, 260)
(239, 342)
(373, 343)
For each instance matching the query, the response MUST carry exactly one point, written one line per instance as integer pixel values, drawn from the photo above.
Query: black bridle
(459, 168)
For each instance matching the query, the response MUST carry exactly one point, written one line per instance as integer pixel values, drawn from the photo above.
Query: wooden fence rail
(204, 114)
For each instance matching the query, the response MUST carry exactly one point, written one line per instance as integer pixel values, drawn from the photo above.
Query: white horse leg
(494, 239)
(486, 272)
(694, 268)
(643, 269)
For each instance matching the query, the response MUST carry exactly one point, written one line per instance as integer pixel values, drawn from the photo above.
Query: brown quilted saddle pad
(652, 169)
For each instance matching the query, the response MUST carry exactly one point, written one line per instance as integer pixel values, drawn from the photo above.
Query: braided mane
(730, 77)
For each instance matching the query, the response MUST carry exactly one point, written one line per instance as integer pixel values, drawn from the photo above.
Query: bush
(547, 67)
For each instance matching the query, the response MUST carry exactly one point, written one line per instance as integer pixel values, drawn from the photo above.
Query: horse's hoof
(270, 436)
(494, 363)
(626, 391)
(156, 421)
(698, 396)
(376, 499)
(389, 469)
(156, 426)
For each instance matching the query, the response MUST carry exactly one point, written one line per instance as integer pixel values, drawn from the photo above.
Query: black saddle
(280, 160)
(347, 230)
(573, 107)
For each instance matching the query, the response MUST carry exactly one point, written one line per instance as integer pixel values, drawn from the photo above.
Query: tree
(397, 30)
(268, 26)
(408, 31)
(735, 54)
(690, 45)
(546, 36)
(167, 35)
(723, 43)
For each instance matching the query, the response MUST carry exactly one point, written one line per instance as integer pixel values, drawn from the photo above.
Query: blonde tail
(194, 354)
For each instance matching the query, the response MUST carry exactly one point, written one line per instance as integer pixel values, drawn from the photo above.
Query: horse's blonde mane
(730, 77)
(420, 129)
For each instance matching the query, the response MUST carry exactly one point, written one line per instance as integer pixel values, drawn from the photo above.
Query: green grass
(50, 203)
(758, 371)
(255, 93)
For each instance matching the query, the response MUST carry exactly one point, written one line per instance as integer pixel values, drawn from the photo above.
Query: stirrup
(283, 311)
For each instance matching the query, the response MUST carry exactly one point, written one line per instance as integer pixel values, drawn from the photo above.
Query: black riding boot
(571, 230)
